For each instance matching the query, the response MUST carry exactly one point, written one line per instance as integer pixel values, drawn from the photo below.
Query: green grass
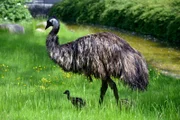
(32, 86)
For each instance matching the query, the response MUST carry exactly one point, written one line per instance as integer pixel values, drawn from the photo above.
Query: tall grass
(32, 86)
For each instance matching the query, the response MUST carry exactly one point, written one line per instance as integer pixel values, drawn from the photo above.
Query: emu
(102, 55)
(76, 101)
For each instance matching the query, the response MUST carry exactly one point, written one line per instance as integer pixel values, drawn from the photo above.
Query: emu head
(67, 92)
(52, 22)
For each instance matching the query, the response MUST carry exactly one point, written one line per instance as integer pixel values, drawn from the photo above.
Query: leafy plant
(14, 10)
(157, 18)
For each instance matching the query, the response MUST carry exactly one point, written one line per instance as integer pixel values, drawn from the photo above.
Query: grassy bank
(32, 86)
(160, 19)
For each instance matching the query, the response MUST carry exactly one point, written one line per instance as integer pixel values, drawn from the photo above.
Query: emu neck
(52, 43)
(60, 54)
(52, 39)
(68, 96)
(55, 30)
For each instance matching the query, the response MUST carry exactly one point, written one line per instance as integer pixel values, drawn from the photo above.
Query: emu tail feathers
(135, 71)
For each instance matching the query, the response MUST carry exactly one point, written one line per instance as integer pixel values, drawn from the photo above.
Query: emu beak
(47, 26)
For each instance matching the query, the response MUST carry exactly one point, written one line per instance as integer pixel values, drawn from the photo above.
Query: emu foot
(125, 103)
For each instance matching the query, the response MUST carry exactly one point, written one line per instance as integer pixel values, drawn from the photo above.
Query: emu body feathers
(102, 55)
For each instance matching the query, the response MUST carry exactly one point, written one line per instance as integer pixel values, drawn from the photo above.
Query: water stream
(166, 59)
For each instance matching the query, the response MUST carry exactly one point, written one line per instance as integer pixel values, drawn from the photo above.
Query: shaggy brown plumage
(102, 55)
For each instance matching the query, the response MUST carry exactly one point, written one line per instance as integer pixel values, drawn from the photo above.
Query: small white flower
(18, 4)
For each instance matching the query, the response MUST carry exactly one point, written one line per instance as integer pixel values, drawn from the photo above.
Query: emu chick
(76, 101)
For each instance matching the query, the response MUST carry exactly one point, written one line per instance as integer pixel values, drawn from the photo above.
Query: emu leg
(103, 91)
(90, 79)
(112, 84)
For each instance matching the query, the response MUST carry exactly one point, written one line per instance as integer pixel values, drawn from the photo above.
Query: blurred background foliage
(14, 10)
(159, 18)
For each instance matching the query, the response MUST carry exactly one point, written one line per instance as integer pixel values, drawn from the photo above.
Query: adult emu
(102, 55)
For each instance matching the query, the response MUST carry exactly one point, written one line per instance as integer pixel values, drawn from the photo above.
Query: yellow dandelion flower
(42, 87)
(44, 80)
(68, 75)
(2, 76)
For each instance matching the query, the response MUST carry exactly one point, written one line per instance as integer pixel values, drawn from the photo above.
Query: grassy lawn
(32, 86)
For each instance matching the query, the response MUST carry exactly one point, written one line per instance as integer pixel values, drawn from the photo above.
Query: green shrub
(157, 18)
(78, 10)
(14, 10)
(174, 30)
(90, 11)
